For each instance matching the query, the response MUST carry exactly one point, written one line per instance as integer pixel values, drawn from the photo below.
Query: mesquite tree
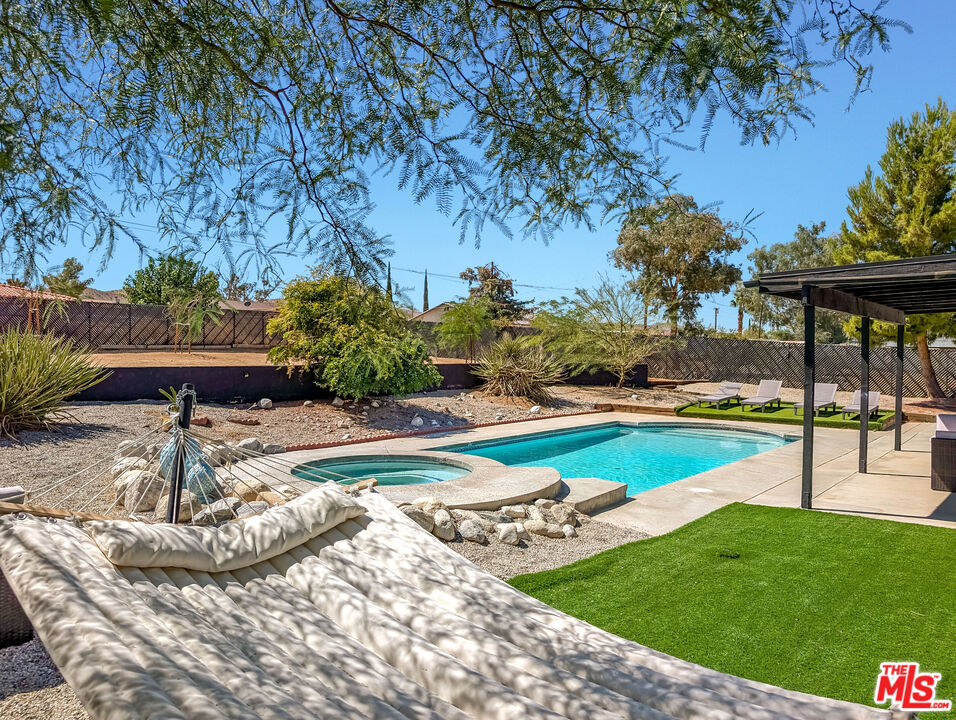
(221, 117)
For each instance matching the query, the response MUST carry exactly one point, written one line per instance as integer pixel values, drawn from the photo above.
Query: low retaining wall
(248, 384)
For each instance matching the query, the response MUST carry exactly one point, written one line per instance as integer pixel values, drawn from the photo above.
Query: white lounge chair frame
(854, 407)
(729, 391)
(826, 392)
(372, 618)
(768, 393)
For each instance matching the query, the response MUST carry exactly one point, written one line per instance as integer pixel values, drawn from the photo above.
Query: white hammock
(336, 607)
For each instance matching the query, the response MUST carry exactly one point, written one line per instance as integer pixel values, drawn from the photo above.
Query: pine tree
(425, 294)
(388, 284)
(908, 211)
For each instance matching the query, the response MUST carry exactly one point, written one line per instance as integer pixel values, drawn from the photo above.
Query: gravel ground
(542, 553)
(31, 688)
(36, 460)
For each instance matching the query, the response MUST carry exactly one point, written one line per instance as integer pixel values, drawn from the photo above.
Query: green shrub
(37, 373)
(516, 367)
(351, 337)
(462, 326)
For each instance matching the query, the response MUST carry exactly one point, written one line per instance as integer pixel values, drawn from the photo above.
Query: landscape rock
(243, 420)
(444, 526)
(522, 533)
(273, 499)
(265, 404)
(307, 403)
(499, 417)
(134, 449)
(376, 403)
(417, 421)
(217, 455)
(141, 492)
(273, 448)
(256, 507)
(494, 516)
(126, 464)
(338, 402)
(419, 516)
(347, 436)
(201, 421)
(429, 504)
(539, 527)
(569, 531)
(535, 410)
(533, 512)
(545, 503)
(434, 423)
(461, 515)
(219, 511)
(249, 489)
(252, 446)
(564, 514)
(508, 533)
(472, 532)
(515, 511)
(188, 503)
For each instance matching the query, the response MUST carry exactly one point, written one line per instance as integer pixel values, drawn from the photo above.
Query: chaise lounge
(768, 393)
(726, 391)
(824, 396)
(873, 406)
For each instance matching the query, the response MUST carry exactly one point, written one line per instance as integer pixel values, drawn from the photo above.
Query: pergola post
(809, 379)
(864, 388)
(898, 440)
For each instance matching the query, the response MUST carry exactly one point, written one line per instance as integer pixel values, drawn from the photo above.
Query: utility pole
(425, 294)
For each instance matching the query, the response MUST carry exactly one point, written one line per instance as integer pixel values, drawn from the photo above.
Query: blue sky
(803, 180)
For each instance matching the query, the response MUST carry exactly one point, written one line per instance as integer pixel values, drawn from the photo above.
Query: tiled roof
(8, 292)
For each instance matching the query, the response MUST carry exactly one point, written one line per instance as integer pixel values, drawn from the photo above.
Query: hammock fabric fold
(365, 615)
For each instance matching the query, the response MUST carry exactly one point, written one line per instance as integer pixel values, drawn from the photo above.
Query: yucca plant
(518, 367)
(37, 374)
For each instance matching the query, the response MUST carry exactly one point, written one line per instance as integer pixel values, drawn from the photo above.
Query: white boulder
(429, 504)
(417, 421)
(250, 446)
(539, 527)
(444, 526)
(564, 514)
(522, 533)
(219, 511)
(126, 464)
(535, 410)
(265, 404)
(569, 532)
(338, 402)
(472, 532)
(508, 533)
(419, 516)
(514, 511)
(273, 448)
(141, 490)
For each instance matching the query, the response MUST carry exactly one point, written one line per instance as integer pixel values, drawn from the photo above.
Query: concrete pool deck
(897, 486)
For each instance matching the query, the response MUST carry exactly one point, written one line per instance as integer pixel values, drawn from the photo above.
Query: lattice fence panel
(13, 314)
(750, 361)
(219, 333)
(68, 320)
(109, 324)
(149, 325)
(250, 329)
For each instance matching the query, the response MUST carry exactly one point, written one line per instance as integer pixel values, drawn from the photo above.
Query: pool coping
(492, 484)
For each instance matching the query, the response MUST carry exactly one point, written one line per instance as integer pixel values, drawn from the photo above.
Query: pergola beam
(833, 299)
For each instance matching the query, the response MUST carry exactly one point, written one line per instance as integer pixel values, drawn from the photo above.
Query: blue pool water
(644, 457)
(387, 470)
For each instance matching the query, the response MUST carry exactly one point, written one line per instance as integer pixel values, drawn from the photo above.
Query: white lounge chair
(768, 393)
(726, 391)
(824, 396)
(873, 406)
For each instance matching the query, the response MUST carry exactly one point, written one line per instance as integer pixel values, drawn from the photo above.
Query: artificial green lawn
(814, 602)
(783, 414)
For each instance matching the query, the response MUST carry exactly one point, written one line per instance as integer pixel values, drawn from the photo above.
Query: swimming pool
(394, 470)
(643, 456)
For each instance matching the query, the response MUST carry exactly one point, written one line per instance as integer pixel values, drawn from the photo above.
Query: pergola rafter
(887, 291)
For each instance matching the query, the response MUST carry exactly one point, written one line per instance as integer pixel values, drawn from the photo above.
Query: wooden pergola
(887, 291)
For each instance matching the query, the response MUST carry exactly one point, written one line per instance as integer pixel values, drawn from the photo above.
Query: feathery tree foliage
(463, 325)
(488, 284)
(65, 279)
(908, 211)
(679, 252)
(599, 329)
(219, 117)
(810, 247)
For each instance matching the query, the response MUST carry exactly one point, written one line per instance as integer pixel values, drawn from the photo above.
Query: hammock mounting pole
(185, 399)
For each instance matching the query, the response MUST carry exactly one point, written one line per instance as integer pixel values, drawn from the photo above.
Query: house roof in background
(261, 305)
(8, 292)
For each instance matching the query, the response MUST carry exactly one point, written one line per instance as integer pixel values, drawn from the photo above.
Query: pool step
(589, 494)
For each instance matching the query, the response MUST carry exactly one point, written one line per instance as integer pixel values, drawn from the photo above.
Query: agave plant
(519, 367)
(37, 374)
